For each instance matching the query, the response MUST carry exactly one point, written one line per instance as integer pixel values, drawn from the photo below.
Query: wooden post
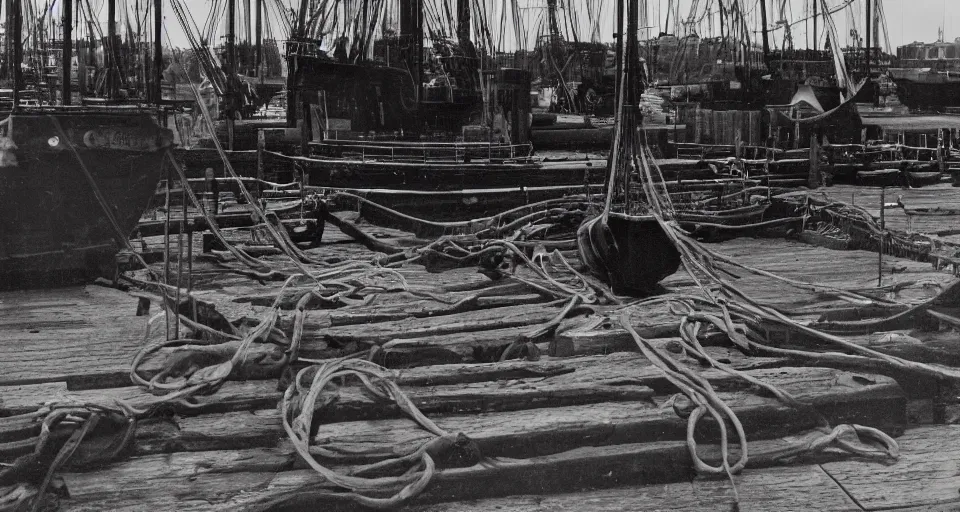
(214, 189)
(166, 250)
(941, 165)
(305, 129)
(813, 178)
(261, 146)
(883, 201)
(182, 228)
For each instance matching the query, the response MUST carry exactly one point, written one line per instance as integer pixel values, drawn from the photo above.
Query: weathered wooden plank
(50, 335)
(230, 479)
(317, 334)
(353, 404)
(839, 396)
(926, 475)
(938, 196)
(787, 489)
(631, 368)
(427, 308)
(600, 334)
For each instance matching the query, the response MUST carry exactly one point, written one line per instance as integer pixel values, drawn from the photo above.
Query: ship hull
(53, 228)
(928, 95)
(631, 253)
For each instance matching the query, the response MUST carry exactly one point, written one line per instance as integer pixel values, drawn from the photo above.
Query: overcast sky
(917, 20)
(907, 20)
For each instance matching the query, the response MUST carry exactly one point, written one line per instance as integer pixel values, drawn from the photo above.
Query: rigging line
(503, 26)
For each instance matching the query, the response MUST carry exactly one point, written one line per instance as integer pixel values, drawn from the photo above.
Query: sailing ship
(627, 244)
(379, 81)
(73, 180)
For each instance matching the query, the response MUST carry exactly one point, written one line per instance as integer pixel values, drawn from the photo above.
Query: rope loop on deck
(300, 406)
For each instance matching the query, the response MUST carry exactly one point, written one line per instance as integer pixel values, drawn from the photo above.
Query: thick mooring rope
(299, 406)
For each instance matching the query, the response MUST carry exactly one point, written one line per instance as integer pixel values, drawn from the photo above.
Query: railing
(458, 152)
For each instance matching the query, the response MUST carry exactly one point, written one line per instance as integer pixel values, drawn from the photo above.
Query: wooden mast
(67, 51)
(618, 37)
(231, 39)
(7, 38)
(411, 47)
(411, 37)
(869, 38)
(259, 30)
(634, 85)
(111, 53)
(292, 63)
(157, 50)
(463, 20)
(17, 52)
(246, 23)
(231, 92)
(766, 32)
(815, 3)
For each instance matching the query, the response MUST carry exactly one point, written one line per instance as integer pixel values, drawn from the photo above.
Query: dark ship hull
(928, 95)
(630, 252)
(53, 229)
(360, 97)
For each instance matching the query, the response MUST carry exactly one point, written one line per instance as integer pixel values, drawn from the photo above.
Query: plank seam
(842, 488)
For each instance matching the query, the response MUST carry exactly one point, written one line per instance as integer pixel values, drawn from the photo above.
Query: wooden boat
(53, 222)
(632, 253)
(410, 151)
(805, 116)
(923, 178)
(724, 215)
(926, 89)
(879, 177)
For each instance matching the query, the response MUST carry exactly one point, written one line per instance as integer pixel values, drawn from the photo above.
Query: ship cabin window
(951, 52)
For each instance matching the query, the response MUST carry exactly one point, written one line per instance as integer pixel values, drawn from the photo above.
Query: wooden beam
(544, 424)
(254, 394)
(589, 478)
(792, 488)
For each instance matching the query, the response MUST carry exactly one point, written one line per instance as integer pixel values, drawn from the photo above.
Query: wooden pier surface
(591, 425)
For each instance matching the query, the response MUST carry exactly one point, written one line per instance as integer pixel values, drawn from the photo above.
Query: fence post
(813, 178)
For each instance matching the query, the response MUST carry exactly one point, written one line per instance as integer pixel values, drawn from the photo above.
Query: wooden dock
(584, 423)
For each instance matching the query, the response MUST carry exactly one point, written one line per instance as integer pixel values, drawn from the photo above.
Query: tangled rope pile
(299, 406)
